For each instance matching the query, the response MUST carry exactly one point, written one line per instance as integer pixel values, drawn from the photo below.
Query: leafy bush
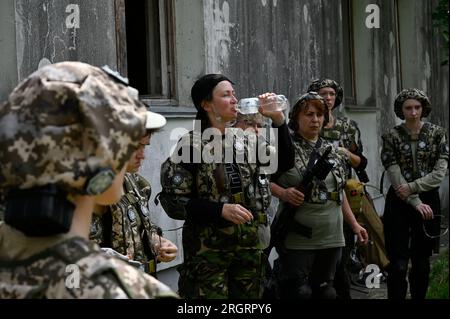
(438, 288)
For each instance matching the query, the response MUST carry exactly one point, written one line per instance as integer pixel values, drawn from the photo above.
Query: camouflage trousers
(222, 275)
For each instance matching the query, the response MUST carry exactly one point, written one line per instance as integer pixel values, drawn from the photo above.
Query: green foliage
(438, 288)
(440, 21)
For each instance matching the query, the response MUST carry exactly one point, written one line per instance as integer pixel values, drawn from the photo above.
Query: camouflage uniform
(47, 274)
(221, 259)
(345, 133)
(431, 146)
(132, 229)
(420, 161)
(68, 128)
(305, 263)
(318, 190)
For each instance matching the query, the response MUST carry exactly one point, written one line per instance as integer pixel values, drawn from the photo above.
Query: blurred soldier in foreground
(126, 226)
(67, 133)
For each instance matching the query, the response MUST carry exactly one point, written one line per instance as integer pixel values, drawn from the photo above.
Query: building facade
(374, 48)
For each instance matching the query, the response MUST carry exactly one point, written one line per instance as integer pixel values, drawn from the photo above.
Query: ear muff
(39, 211)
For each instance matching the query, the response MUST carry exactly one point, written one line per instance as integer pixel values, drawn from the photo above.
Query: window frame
(348, 53)
(165, 34)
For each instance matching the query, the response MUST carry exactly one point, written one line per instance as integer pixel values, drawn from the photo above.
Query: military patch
(177, 179)
(131, 214)
(262, 180)
(144, 210)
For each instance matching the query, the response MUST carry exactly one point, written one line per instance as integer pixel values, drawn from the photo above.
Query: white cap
(154, 121)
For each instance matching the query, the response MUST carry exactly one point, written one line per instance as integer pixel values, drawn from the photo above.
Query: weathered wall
(421, 56)
(8, 61)
(190, 53)
(52, 31)
(269, 45)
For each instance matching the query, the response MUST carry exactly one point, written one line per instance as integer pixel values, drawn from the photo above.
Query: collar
(14, 245)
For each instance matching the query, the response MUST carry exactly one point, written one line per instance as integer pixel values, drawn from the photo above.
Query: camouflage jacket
(432, 145)
(318, 191)
(210, 183)
(76, 268)
(345, 133)
(126, 226)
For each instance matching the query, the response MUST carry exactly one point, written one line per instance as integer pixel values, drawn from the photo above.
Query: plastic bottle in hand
(272, 103)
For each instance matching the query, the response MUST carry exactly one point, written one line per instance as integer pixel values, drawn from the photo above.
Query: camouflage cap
(316, 85)
(65, 123)
(414, 94)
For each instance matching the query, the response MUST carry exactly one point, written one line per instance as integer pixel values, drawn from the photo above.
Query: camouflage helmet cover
(316, 85)
(63, 124)
(414, 94)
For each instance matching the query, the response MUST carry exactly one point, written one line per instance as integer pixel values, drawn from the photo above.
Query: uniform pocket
(221, 238)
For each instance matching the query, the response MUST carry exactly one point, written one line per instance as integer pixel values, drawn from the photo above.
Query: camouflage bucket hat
(64, 124)
(414, 94)
(316, 85)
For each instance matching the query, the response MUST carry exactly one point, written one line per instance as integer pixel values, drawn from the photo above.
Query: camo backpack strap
(177, 185)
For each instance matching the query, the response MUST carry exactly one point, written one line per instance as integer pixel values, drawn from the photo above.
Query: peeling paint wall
(49, 31)
(422, 56)
(268, 45)
(8, 60)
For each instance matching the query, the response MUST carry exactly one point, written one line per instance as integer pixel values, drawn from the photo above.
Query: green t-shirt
(326, 220)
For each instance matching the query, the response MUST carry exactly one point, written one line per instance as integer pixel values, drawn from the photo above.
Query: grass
(438, 287)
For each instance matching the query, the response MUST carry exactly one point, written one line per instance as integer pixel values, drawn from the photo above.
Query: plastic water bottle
(272, 103)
